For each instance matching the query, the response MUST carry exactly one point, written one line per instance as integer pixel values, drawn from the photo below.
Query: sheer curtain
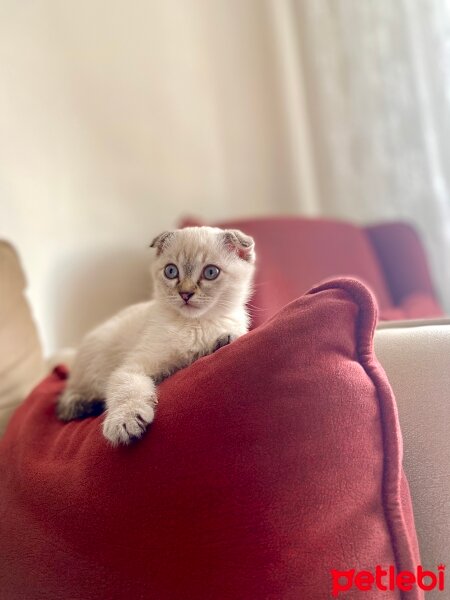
(374, 77)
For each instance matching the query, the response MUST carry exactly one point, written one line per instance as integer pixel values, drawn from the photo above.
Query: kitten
(202, 282)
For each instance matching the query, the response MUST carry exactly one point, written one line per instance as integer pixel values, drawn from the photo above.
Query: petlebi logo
(387, 579)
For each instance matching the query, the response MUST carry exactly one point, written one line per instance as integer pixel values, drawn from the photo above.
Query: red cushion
(270, 463)
(294, 253)
(403, 260)
(415, 306)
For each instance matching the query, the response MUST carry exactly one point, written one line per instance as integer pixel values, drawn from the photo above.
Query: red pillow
(270, 463)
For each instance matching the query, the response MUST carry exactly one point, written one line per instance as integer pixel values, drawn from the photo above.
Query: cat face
(201, 271)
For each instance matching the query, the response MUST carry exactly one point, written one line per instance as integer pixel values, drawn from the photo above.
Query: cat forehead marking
(191, 258)
(188, 268)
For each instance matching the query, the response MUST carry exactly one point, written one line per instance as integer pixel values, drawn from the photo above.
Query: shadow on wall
(92, 287)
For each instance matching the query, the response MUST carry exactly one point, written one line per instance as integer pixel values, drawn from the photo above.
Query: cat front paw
(126, 423)
(224, 340)
(72, 405)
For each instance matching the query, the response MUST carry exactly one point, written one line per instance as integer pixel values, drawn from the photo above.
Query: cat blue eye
(170, 271)
(211, 272)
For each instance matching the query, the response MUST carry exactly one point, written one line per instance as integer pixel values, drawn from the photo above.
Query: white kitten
(202, 282)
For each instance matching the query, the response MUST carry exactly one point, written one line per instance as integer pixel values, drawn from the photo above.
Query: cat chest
(190, 341)
(195, 340)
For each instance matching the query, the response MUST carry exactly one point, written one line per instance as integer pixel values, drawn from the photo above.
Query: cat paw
(224, 340)
(124, 424)
(73, 405)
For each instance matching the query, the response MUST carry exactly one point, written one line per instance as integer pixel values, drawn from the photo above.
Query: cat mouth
(188, 306)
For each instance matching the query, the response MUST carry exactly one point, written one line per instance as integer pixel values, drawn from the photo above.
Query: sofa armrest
(416, 358)
(21, 359)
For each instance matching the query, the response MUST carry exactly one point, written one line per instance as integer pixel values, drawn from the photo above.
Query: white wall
(115, 119)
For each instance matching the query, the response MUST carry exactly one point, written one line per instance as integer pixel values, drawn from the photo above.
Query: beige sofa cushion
(21, 360)
(416, 358)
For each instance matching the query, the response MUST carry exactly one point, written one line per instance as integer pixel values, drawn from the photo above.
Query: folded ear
(161, 240)
(242, 244)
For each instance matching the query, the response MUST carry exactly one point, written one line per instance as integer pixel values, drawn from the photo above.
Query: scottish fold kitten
(202, 281)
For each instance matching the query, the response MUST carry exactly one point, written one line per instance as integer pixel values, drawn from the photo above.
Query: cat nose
(186, 296)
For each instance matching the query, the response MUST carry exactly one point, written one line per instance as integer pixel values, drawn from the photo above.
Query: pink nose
(186, 296)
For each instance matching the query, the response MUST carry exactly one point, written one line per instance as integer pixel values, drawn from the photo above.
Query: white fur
(121, 359)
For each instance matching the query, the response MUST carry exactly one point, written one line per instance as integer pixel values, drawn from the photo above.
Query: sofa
(414, 353)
